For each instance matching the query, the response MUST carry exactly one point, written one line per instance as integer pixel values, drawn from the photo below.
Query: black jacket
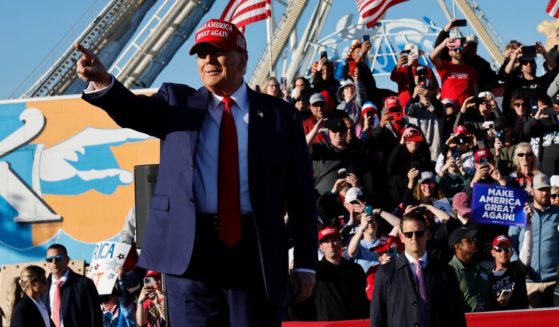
(395, 299)
(80, 301)
(26, 314)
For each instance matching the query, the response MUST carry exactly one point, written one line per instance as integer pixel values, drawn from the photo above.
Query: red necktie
(228, 194)
(55, 315)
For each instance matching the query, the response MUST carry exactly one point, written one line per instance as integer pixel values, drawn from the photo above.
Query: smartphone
(149, 281)
(460, 23)
(283, 82)
(366, 38)
(323, 54)
(395, 116)
(405, 52)
(414, 52)
(528, 52)
(368, 210)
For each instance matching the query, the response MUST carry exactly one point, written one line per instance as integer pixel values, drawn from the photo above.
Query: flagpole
(269, 39)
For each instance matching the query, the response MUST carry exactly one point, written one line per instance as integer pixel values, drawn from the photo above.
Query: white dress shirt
(207, 152)
(412, 261)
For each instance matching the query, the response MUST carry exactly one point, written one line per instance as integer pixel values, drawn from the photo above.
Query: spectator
(323, 77)
(313, 124)
(407, 69)
(25, 299)
(426, 112)
(541, 278)
(334, 206)
(517, 116)
(526, 164)
(461, 144)
(369, 119)
(526, 80)
(329, 158)
(119, 309)
(473, 279)
(487, 77)
(414, 289)
(72, 299)
(554, 195)
(412, 152)
(351, 96)
(507, 278)
(542, 128)
(452, 176)
(273, 87)
(459, 81)
(340, 284)
(356, 61)
(151, 302)
(422, 188)
(451, 111)
(479, 113)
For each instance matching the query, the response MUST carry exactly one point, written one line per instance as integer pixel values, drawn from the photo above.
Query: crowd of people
(393, 174)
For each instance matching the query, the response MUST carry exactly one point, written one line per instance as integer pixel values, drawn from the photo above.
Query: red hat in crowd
(502, 239)
(461, 130)
(152, 273)
(328, 231)
(414, 135)
(385, 243)
(481, 154)
(220, 34)
(392, 102)
(461, 202)
(368, 106)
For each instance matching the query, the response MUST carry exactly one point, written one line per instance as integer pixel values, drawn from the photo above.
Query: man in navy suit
(414, 289)
(225, 255)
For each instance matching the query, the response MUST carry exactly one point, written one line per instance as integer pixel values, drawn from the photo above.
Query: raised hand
(90, 69)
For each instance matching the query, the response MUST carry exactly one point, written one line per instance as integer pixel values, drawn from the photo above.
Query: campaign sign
(107, 257)
(498, 205)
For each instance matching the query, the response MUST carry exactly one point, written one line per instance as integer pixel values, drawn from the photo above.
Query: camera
(342, 173)
(483, 161)
(461, 139)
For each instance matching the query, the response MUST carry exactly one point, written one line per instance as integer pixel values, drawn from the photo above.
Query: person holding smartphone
(356, 61)
(507, 278)
(151, 302)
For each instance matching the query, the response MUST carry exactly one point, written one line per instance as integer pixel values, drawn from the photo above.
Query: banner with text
(107, 257)
(498, 205)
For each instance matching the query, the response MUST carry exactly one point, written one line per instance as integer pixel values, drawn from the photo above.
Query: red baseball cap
(415, 135)
(221, 34)
(328, 231)
(482, 153)
(461, 129)
(502, 239)
(391, 102)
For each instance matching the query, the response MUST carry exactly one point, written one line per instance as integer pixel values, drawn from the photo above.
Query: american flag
(372, 10)
(553, 8)
(244, 12)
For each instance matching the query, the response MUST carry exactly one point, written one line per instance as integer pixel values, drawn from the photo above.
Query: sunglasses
(518, 104)
(527, 154)
(555, 196)
(54, 258)
(418, 234)
(528, 62)
(338, 130)
(502, 248)
(457, 49)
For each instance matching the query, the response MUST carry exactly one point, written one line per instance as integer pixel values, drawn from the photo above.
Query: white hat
(352, 194)
(471, 38)
(554, 180)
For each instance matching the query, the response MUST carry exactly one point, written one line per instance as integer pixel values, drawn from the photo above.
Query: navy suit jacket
(26, 314)
(279, 173)
(396, 302)
(79, 301)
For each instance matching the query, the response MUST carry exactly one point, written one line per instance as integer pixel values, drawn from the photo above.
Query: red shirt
(308, 125)
(457, 81)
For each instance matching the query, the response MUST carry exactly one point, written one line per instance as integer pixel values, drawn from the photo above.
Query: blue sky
(34, 33)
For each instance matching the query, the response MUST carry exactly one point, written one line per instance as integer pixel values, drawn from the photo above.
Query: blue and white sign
(498, 205)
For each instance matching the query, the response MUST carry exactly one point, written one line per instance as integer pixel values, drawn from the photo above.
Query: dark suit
(79, 301)
(26, 314)
(278, 169)
(396, 302)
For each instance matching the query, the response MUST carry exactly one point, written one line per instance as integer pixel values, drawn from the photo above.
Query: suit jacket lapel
(256, 126)
(403, 263)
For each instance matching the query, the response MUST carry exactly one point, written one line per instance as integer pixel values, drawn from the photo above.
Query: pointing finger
(85, 52)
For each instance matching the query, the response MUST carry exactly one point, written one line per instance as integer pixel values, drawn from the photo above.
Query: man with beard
(473, 279)
(544, 258)
(459, 81)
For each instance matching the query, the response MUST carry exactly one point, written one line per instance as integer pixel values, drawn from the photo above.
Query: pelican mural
(66, 172)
